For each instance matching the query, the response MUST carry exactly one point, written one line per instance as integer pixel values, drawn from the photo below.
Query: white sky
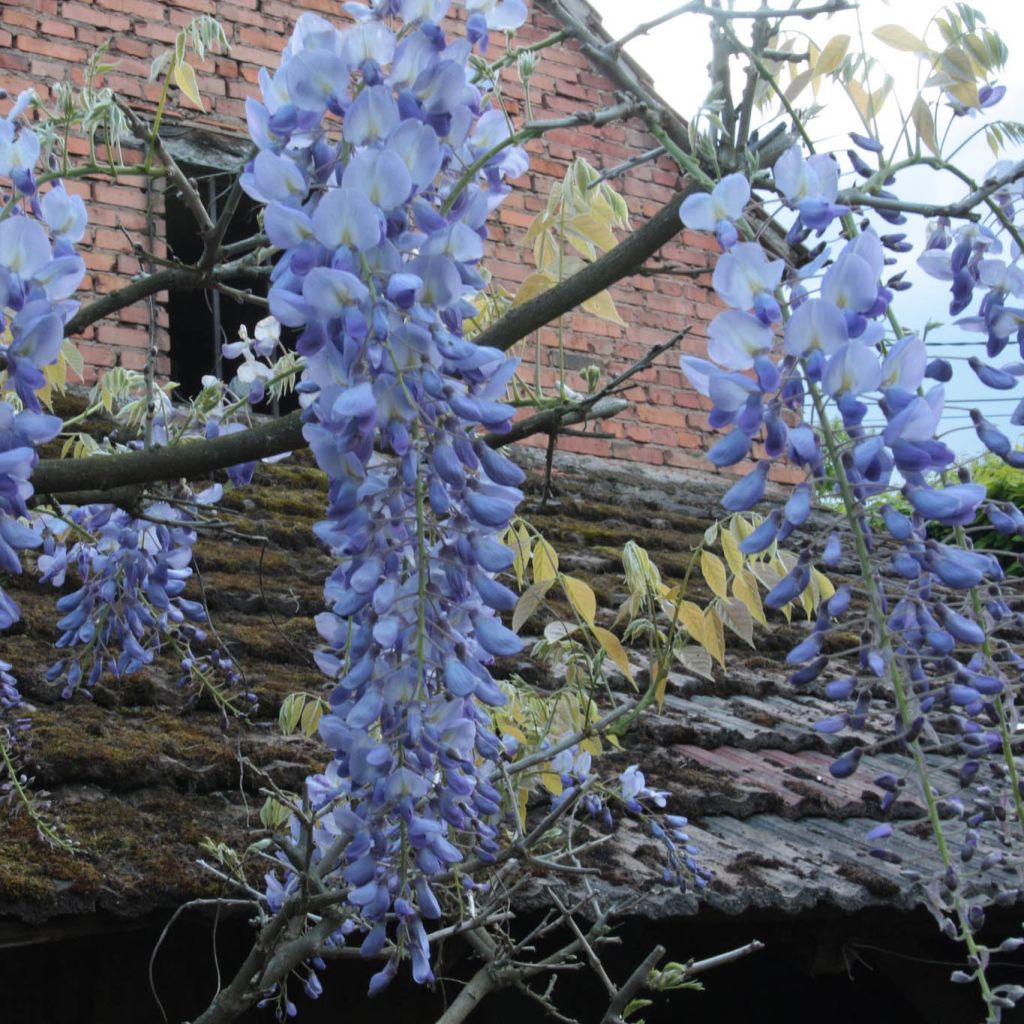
(676, 54)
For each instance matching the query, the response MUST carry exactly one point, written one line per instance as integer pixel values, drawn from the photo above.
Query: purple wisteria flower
(382, 238)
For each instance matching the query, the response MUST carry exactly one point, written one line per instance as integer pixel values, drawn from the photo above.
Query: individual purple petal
(747, 492)
(732, 448)
(347, 217)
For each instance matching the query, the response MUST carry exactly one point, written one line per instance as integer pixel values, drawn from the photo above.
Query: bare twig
(635, 982)
(189, 195)
(700, 966)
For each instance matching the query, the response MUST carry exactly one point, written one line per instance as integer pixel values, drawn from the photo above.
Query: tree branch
(635, 982)
(76, 478)
(174, 172)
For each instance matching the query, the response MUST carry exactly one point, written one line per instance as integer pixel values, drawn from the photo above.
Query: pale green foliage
(655, 615)
(203, 34)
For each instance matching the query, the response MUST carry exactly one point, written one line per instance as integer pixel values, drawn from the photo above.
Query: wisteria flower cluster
(39, 271)
(800, 353)
(365, 137)
(133, 572)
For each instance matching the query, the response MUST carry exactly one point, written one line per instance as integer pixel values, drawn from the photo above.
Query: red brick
(93, 16)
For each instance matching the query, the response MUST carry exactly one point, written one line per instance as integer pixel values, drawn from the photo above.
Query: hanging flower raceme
(131, 603)
(39, 271)
(932, 603)
(381, 237)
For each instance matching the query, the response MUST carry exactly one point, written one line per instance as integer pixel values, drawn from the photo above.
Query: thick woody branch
(173, 279)
(78, 477)
(58, 477)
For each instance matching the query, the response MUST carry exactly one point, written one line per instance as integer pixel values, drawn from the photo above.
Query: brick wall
(42, 41)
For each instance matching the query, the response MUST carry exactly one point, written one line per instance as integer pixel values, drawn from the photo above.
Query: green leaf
(613, 648)
(311, 715)
(69, 350)
(290, 713)
(900, 38)
(185, 80)
(581, 597)
(273, 814)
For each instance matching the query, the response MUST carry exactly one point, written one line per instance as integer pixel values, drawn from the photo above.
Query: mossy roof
(142, 772)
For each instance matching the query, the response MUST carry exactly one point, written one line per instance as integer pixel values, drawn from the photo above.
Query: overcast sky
(676, 55)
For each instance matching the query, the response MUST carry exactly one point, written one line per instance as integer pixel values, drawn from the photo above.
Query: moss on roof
(142, 773)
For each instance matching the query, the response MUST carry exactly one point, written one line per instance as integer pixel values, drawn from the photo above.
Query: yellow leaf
(536, 284)
(924, 123)
(900, 38)
(185, 80)
(877, 99)
(529, 601)
(732, 552)
(594, 230)
(660, 685)
(613, 648)
(592, 746)
(957, 64)
(69, 351)
(519, 541)
(798, 85)
(807, 603)
(832, 55)
(966, 93)
(825, 587)
(513, 731)
(522, 797)
(692, 619)
(537, 225)
(551, 782)
(696, 660)
(311, 715)
(744, 586)
(581, 597)
(545, 561)
(737, 617)
(740, 528)
(713, 570)
(859, 97)
(711, 534)
(714, 635)
(601, 305)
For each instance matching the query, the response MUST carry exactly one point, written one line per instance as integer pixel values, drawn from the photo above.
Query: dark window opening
(202, 322)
